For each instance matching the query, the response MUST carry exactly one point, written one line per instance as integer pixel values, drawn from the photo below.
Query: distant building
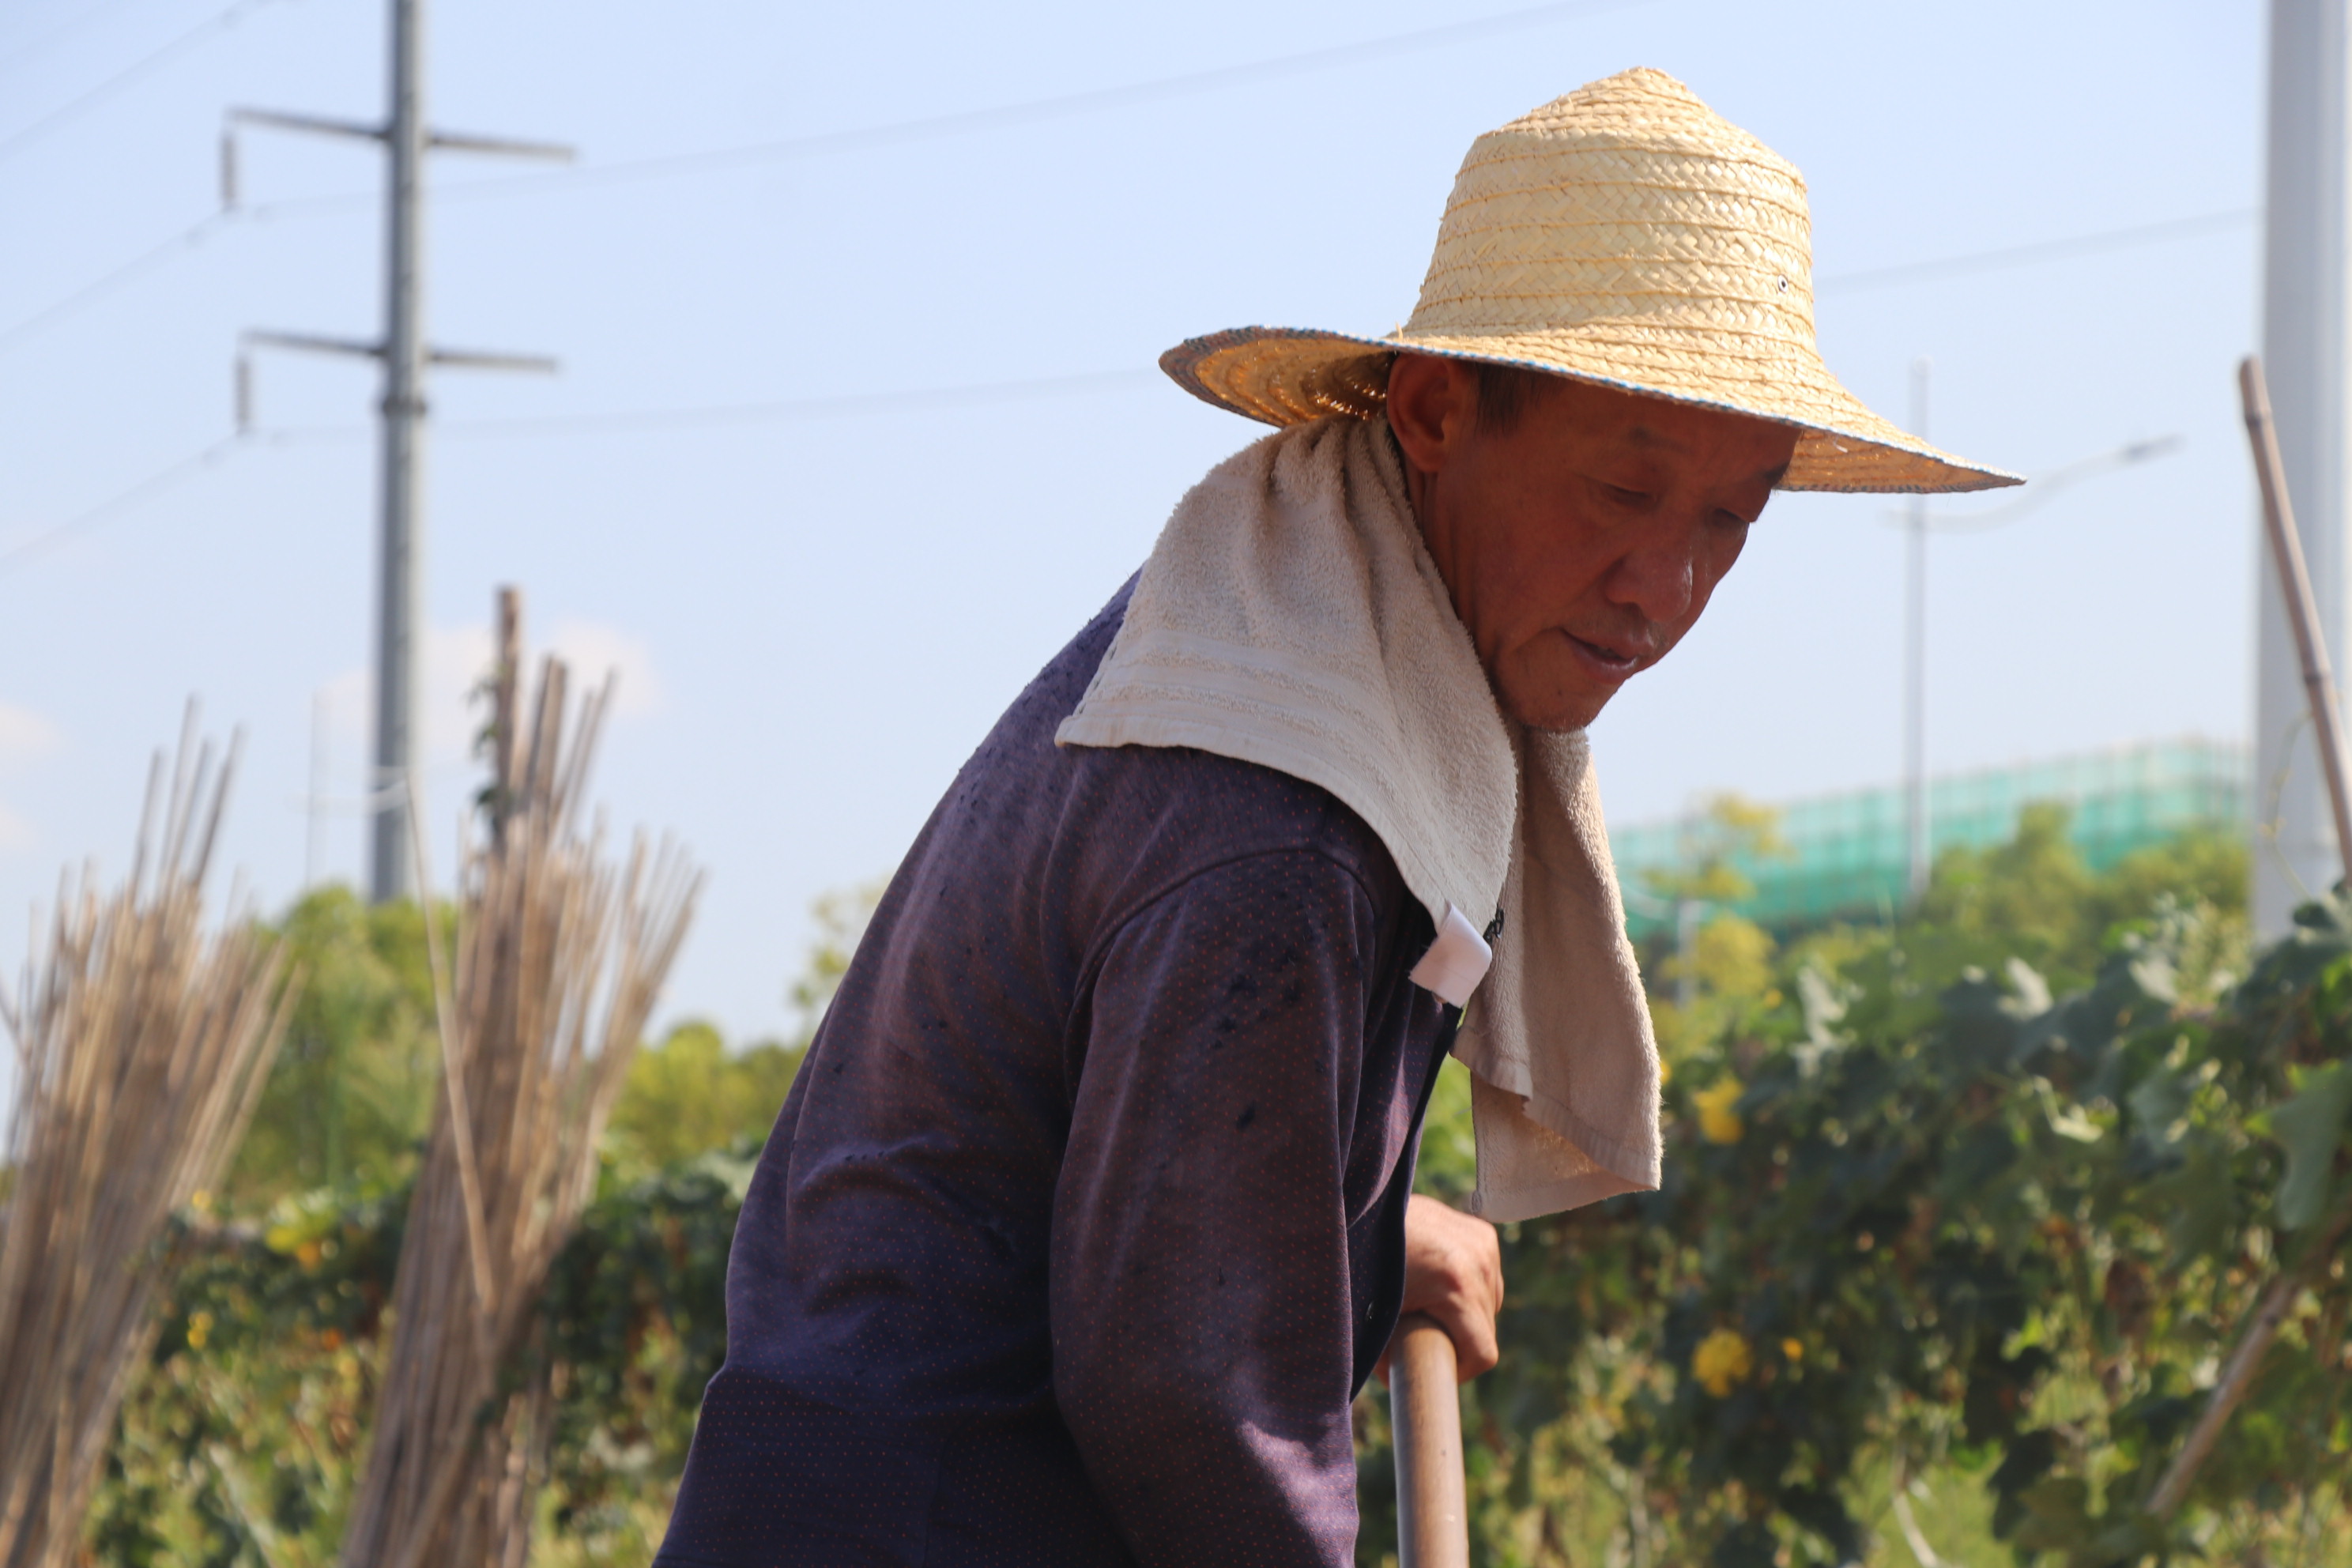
(1847, 854)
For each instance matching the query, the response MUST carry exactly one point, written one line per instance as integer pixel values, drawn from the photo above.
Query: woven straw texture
(1626, 235)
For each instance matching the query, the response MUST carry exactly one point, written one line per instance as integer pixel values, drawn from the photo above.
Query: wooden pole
(2302, 609)
(2237, 1377)
(503, 743)
(1425, 1410)
(2319, 689)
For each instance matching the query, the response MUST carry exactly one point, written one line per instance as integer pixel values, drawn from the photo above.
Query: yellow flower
(201, 1201)
(1793, 1349)
(1718, 1122)
(308, 1254)
(1722, 1360)
(200, 1329)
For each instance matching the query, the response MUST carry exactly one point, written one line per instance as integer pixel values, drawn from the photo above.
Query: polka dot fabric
(1085, 1219)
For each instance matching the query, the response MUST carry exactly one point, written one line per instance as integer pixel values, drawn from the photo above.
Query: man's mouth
(1609, 662)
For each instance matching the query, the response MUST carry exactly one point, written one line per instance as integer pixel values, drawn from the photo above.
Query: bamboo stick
(141, 1046)
(557, 958)
(2237, 1377)
(2295, 588)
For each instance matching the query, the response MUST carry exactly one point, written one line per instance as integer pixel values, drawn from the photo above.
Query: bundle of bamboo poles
(558, 958)
(140, 1047)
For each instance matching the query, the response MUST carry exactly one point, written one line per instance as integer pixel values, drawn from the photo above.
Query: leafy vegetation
(1963, 1214)
(1929, 1230)
(350, 1092)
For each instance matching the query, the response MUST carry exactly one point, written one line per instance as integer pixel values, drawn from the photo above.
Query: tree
(841, 916)
(351, 1093)
(688, 1094)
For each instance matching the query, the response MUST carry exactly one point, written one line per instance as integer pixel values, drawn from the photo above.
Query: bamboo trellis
(558, 957)
(142, 1045)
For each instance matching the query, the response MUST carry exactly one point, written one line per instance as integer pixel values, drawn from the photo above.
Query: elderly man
(1091, 1210)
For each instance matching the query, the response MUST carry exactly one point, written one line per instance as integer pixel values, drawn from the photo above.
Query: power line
(219, 21)
(195, 234)
(797, 409)
(837, 140)
(146, 490)
(2041, 250)
(96, 11)
(789, 410)
(121, 277)
(187, 467)
(1029, 111)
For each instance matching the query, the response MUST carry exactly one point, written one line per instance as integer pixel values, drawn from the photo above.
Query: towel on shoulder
(1290, 617)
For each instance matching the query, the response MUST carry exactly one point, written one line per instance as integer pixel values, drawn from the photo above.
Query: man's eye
(1626, 497)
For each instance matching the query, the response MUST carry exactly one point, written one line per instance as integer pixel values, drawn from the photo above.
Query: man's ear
(1432, 403)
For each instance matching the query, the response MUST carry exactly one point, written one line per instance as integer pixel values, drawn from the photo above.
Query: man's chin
(1556, 713)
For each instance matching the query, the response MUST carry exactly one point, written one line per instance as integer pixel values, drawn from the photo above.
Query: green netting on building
(1848, 857)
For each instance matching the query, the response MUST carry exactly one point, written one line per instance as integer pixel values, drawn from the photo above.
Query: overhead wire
(997, 117)
(931, 127)
(79, 21)
(119, 278)
(823, 408)
(175, 474)
(920, 128)
(2039, 251)
(129, 76)
(168, 477)
(914, 400)
(1005, 116)
(795, 409)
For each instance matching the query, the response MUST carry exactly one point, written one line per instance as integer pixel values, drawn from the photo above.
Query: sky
(856, 421)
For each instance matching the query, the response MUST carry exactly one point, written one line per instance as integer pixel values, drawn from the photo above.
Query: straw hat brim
(1284, 375)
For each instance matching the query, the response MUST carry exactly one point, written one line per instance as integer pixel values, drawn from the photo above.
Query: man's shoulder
(1155, 814)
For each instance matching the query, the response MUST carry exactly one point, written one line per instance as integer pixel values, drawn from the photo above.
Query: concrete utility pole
(405, 356)
(2305, 294)
(398, 556)
(1915, 665)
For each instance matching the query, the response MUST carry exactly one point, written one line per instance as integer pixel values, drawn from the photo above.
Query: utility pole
(399, 558)
(404, 355)
(2306, 340)
(1915, 665)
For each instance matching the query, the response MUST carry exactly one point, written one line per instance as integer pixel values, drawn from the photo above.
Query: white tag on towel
(1455, 962)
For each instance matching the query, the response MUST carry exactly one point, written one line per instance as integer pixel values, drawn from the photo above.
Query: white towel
(1290, 617)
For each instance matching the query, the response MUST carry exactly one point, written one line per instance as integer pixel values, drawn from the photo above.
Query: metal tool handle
(1425, 1411)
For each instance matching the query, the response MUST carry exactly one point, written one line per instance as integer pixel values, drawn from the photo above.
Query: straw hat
(1627, 235)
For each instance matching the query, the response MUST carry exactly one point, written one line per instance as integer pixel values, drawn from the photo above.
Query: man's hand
(1453, 1272)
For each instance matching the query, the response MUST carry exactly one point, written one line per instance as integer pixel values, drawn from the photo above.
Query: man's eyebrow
(1643, 436)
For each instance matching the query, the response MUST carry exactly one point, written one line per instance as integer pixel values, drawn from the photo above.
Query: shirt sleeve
(1204, 1341)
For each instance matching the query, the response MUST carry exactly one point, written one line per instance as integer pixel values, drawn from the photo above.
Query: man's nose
(1657, 573)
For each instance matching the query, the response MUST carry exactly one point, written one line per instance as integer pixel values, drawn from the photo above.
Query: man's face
(1582, 543)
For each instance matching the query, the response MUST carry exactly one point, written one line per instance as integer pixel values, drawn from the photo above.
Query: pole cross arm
(317, 124)
(474, 359)
(313, 342)
(280, 119)
(501, 146)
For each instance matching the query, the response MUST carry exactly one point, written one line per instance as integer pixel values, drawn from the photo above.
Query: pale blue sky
(819, 617)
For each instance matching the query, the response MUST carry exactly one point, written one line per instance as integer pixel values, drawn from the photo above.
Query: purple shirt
(1084, 1220)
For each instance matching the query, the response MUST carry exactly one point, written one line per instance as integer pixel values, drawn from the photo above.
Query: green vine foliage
(1923, 1220)
(1940, 1254)
(243, 1440)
